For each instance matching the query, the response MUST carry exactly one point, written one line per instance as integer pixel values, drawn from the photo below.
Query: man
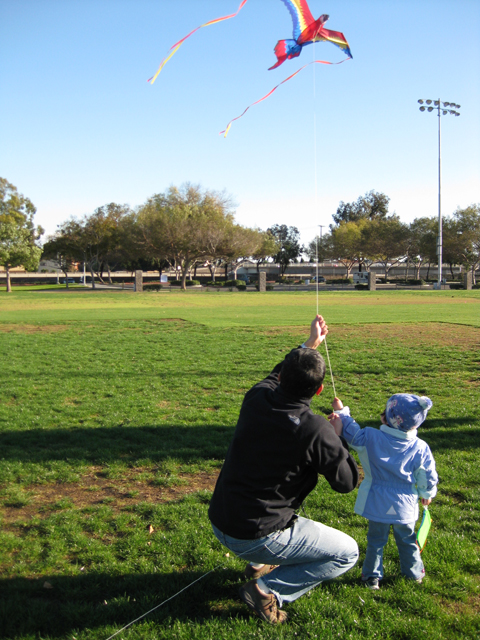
(278, 449)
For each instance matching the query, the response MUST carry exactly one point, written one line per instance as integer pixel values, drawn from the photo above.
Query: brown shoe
(250, 572)
(265, 606)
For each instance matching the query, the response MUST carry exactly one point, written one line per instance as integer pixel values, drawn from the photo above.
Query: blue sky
(81, 127)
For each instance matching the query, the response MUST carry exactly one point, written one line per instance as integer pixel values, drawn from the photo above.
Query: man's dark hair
(302, 373)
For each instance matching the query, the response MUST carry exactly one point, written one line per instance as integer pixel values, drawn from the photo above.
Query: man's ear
(319, 391)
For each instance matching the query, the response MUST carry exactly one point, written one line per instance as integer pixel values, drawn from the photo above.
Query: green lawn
(115, 413)
(223, 309)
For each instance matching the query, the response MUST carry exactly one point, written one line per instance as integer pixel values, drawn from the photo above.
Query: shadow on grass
(113, 444)
(449, 433)
(93, 601)
(104, 445)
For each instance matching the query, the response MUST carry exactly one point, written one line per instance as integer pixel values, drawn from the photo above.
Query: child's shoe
(372, 583)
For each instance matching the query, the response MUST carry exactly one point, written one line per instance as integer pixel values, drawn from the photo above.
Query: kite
(424, 528)
(306, 30)
(178, 44)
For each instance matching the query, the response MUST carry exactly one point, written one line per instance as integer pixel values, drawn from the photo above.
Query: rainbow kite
(306, 30)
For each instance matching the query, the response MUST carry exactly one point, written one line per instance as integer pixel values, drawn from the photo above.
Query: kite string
(164, 602)
(316, 204)
(330, 367)
(227, 555)
(315, 162)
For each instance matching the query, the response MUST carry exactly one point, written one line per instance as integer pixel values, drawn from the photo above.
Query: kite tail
(227, 129)
(178, 44)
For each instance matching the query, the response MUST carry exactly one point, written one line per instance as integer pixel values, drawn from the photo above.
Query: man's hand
(426, 501)
(318, 331)
(336, 422)
(337, 404)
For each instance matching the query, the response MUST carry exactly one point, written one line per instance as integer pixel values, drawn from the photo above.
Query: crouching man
(278, 449)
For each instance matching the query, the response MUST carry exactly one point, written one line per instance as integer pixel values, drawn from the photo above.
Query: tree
(216, 232)
(454, 247)
(320, 248)
(423, 242)
(267, 247)
(104, 238)
(15, 205)
(101, 240)
(386, 241)
(243, 244)
(347, 244)
(186, 225)
(288, 241)
(372, 206)
(466, 226)
(60, 249)
(18, 234)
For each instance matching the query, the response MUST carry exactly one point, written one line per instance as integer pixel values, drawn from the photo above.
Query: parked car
(69, 280)
(320, 279)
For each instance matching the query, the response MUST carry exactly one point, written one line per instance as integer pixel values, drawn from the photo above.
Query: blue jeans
(308, 553)
(411, 564)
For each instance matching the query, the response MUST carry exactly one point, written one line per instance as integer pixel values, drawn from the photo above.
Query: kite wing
(424, 528)
(178, 44)
(300, 14)
(335, 37)
(302, 20)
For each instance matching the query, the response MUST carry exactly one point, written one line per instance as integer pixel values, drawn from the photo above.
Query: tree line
(364, 232)
(187, 227)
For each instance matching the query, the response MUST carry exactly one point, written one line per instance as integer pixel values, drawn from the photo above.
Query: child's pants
(410, 563)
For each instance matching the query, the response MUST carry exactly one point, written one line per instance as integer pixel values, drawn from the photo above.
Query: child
(398, 468)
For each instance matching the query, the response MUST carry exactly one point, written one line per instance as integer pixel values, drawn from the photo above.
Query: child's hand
(337, 404)
(426, 501)
(336, 422)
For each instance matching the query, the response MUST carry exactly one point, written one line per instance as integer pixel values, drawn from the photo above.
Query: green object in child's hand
(424, 528)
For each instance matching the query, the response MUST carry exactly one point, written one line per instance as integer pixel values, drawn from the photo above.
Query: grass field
(116, 410)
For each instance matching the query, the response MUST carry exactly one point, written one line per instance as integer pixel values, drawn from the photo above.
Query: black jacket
(278, 449)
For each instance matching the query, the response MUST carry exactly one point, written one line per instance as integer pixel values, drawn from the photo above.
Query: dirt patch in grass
(472, 605)
(32, 328)
(435, 333)
(93, 490)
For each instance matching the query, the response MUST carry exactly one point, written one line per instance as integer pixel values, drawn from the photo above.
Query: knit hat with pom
(405, 411)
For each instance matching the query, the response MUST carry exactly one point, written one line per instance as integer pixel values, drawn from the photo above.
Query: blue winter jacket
(398, 467)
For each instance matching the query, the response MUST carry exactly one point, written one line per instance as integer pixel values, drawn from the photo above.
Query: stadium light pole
(443, 108)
